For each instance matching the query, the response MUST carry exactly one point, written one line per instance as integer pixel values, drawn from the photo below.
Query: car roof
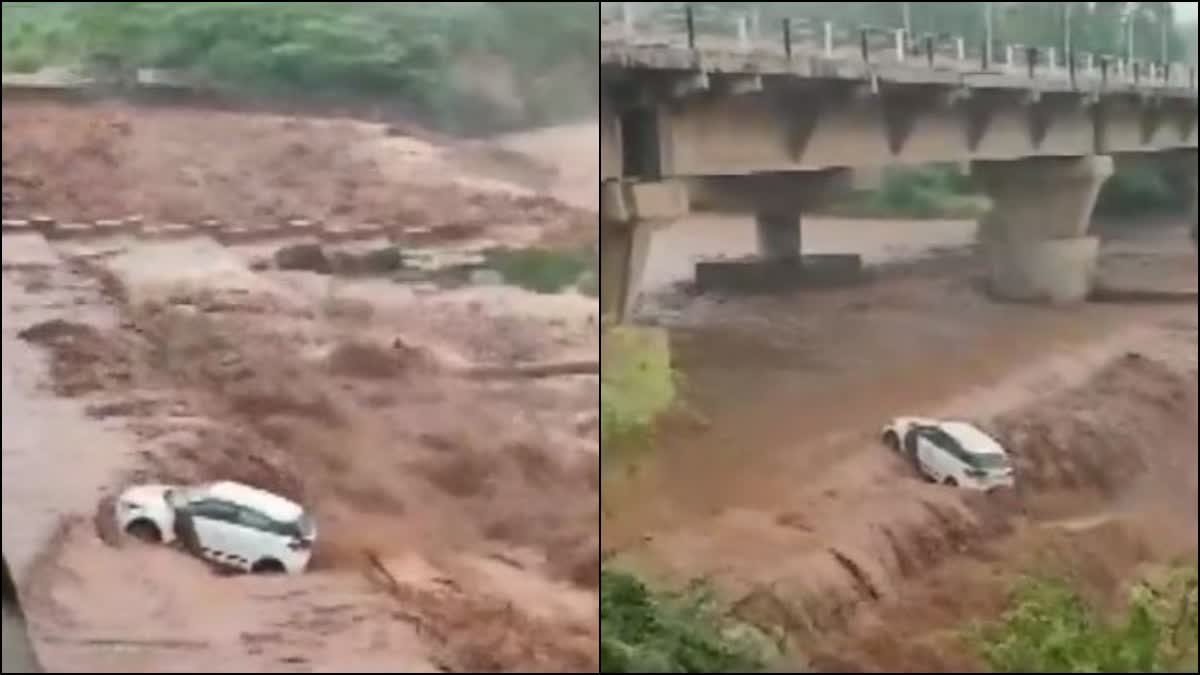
(972, 439)
(271, 505)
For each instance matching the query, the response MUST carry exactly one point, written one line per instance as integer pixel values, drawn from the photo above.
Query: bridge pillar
(629, 214)
(778, 201)
(1191, 172)
(623, 252)
(1194, 221)
(779, 235)
(1035, 240)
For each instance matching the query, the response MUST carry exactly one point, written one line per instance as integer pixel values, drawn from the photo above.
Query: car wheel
(267, 566)
(144, 531)
(951, 482)
(892, 441)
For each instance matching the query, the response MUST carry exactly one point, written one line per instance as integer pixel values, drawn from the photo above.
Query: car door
(254, 537)
(930, 458)
(949, 458)
(212, 520)
(910, 442)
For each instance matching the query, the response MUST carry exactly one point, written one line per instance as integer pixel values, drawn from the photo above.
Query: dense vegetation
(1051, 629)
(415, 53)
(946, 191)
(646, 632)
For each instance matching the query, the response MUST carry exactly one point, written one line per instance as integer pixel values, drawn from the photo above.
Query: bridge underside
(776, 146)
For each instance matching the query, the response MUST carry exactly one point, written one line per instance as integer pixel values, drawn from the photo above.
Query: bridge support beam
(1035, 240)
(629, 214)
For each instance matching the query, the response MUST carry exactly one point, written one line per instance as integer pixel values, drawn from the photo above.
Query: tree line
(325, 49)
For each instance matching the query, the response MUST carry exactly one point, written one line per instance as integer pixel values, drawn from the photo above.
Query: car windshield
(306, 527)
(990, 460)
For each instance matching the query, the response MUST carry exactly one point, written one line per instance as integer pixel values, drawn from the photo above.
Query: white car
(951, 453)
(230, 524)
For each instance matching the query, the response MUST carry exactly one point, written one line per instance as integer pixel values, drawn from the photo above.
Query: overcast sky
(1187, 10)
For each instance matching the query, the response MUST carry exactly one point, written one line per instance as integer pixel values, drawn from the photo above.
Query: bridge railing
(701, 28)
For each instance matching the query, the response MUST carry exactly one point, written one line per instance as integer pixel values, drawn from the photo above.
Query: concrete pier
(1035, 241)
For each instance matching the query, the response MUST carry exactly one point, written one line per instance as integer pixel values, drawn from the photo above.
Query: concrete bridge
(775, 126)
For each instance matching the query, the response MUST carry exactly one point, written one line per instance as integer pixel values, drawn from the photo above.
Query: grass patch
(1051, 628)
(637, 383)
(544, 270)
(590, 284)
(647, 632)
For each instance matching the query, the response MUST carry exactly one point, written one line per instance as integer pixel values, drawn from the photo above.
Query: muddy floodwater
(448, 541)
(675, 249)
(771, 481)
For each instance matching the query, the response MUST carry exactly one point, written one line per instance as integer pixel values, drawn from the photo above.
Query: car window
(214, 509)
(253, 519)
(945, 442)
(304, 526)
(249, 517)
(948, 444)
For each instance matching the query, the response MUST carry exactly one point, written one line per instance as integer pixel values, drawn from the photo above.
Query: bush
(1140, 190)
(936, 191)
(646, 632)
(1051, 629)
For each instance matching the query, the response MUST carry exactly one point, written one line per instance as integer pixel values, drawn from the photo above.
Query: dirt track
(824, 535)
(128, 359)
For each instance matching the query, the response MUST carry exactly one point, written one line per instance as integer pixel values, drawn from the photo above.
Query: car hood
(147, 494)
